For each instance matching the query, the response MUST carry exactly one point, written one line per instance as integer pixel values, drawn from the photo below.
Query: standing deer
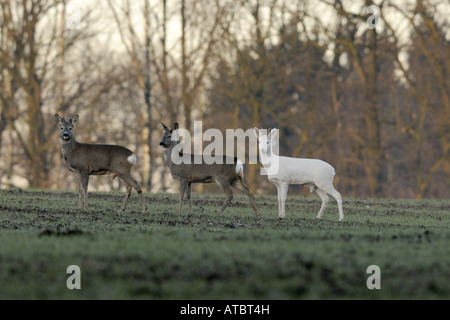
(283, 171)
(230, 173)
(96, 159)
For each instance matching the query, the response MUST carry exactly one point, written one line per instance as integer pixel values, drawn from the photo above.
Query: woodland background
(374, 103)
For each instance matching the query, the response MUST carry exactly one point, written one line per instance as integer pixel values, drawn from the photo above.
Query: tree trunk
(373, 150)
(147, 94)
(184, 70)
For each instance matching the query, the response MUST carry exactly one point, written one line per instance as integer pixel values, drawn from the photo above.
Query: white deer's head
(268, 143)
(268, 146)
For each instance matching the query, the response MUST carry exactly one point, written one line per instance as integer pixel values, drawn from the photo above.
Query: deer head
(66, 127)
(170, 136)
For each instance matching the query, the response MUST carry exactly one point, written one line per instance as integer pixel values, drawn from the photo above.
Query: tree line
(373, 102)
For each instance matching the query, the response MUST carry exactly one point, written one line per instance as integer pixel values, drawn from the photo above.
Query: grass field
(164, 255)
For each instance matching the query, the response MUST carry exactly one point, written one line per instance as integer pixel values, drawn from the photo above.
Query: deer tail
(239, 168)
(132, 159)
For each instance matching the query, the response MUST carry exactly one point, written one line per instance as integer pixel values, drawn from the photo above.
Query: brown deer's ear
(75, 119)
(164, 127)
(59, 120)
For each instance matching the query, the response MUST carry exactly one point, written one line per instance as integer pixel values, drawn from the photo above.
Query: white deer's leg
(282, 194)
(279, 199)
(280, 203)
(335, 194)
(323, 195)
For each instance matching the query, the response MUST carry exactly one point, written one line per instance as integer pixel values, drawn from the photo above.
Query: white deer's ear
(273, 133)
(256, 132)
(175, 126)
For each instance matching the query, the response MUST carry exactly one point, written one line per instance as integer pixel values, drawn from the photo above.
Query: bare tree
(20, 57)
(426, 75)
(35, 87)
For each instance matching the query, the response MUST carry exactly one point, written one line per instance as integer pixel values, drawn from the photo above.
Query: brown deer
(96, 159)
(230, 173)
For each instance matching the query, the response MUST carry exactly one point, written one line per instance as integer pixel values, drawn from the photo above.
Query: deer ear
(175, 126)
(75, 119)
(256, 132)
(58, 120)
(164, 127)
(273, 133)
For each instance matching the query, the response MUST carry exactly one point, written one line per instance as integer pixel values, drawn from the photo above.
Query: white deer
(283, 171)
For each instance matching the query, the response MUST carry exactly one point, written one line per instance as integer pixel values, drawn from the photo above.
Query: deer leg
(282, 194)
(130, 181)
(84, 180)
(279, 199)
(335, 194)
(183, 186)
(188, 196)
(239, 184)
(127, 195)
(225, 186)
(80, 193)
(323, 195)
(141, 196)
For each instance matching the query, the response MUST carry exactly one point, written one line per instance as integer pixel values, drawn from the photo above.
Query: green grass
(164, 255)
